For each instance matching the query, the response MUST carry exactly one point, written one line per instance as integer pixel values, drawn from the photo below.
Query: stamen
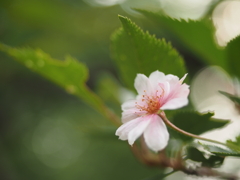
(151, 103)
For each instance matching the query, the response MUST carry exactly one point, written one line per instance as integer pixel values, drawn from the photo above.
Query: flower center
(151, 104)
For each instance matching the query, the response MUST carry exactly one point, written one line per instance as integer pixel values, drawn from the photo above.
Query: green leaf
(233, 56)
(195, 36)
(195, 155)
(70, 74)
(236, 142)
(137, 52)
(221, 151)
(195, 123)
(235, 99)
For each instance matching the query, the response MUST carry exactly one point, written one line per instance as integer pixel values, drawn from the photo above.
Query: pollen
(150, 104)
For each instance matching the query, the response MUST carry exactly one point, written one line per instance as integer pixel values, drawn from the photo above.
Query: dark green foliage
(221, 151)
(137, 52)
(195, 123)
(233, 56)
(235, 99)
(194, 154)
(236, 142)
(195, 36)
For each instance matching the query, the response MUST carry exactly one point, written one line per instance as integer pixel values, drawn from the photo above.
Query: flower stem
(164, 118)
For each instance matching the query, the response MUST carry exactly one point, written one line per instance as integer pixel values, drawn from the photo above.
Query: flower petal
(231, 131)
(175, 93)
(142, 84)
(130, 104)
(222, 107)
(139, 129)
(156, 77)
(174, 83)
(183, 78)
(173, 80)
(165, 86)
(207, 84)
(175, 103)
(130, 111)
(156, 135)
(124, 129)
(131, 114)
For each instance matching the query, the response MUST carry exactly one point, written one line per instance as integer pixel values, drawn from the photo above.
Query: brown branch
(160, 160)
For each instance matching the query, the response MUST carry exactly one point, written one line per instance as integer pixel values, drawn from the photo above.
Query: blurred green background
(46, 133)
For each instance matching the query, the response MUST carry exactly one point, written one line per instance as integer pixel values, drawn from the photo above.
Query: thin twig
(164, 118)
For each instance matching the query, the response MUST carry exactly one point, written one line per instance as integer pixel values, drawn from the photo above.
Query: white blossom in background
(140, 116)
(205, 97)
(179, 9)
(103, 2)
(186, 9)
(226, 19)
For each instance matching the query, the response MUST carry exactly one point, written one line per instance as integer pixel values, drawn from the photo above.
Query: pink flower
(140, 116)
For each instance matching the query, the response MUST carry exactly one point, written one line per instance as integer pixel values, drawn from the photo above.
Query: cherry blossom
(205, 97)
(140, 116)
